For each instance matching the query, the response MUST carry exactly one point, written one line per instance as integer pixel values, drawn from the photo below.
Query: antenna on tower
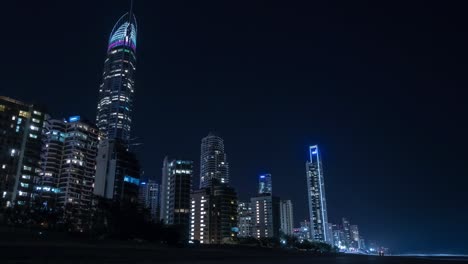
(130, 14)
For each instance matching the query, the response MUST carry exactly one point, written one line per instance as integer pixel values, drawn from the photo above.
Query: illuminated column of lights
(316, 196)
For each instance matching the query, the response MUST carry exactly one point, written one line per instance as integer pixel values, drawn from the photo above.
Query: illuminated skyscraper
(114, 110)
(264, 184)
(118, 171)
(316, 196)
(20, 147)
(213, 164)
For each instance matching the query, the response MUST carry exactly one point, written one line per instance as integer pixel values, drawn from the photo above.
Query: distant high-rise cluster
(346, 237)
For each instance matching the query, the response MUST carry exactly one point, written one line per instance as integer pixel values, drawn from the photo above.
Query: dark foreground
(67, 252)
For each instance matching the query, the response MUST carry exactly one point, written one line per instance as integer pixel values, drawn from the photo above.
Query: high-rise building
(20, 151)
(316, 196)
(149, 198)
(266, 216)
(329, 231)
(175, 192)
(265, 210)
(54, 135)
(117, 172)
(265, 185)
(213, 163)
(244, 219)
(114, 110)
(68, 164)
(355, 238)
(339, 238)
(213, 214)
(347, 233)
(287, 220)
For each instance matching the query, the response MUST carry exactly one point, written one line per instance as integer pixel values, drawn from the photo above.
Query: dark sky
(380, 87)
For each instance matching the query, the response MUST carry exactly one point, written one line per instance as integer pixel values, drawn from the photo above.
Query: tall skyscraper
(287, 220)
(175, 192)
(264, 184)
(213, 164)
(149, 198)
(118, 170)
(114, 110)
(20, 148)
(316, 196)
(69, 166)
(244, 219)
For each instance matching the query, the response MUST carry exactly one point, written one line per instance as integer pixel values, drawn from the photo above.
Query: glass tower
(116, 91)
(316, 196)
(264, 184)
(213, 164)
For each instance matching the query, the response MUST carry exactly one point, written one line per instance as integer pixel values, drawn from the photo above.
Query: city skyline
(368, 144)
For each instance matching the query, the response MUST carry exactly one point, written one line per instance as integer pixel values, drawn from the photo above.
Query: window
(2, 108)
(37, 112)
(24, 114)
(35, 128)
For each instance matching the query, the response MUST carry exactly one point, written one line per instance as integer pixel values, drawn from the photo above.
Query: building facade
(266, 216)
(117, 172)
(244, 219)
(213, 161)
(116, 92)
(148, 195)
(175, 194)
(69, 166)
(287, 218)
(21, 127)
(213, 217)
(316, 196)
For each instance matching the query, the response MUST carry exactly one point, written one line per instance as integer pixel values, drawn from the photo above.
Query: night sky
(380, 87)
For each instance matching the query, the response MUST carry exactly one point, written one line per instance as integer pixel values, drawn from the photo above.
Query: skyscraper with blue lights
(264, 184)
(316, 196)
(115, 106)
